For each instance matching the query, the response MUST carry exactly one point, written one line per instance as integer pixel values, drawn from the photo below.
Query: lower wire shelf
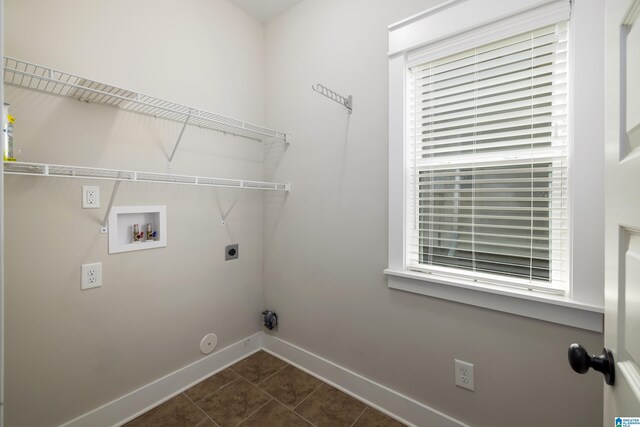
(62, 171)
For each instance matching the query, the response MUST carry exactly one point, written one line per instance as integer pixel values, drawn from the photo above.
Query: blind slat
(532, 94)
(444, 66)
(473, 117)
(482, 113)
(494, 79)
(504, 66)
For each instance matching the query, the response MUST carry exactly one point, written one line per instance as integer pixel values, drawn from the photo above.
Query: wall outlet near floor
(464, 374)
(91, 276)
(90, 197)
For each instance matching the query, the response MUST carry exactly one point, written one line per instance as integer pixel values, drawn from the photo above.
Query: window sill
(550, 308)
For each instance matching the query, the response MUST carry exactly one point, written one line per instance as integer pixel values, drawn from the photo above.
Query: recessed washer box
(121, 224)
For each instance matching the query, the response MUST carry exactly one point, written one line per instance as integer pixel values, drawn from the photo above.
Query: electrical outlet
(91, 276)
(231, 252)
(464, 374)
(90, 197)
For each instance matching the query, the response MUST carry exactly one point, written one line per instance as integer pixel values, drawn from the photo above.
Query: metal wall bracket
(346, 102)
(233, 205)
(175, 147)
(104, 227)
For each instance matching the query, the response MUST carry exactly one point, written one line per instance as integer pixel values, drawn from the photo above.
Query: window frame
(477, 24)
(558, 239)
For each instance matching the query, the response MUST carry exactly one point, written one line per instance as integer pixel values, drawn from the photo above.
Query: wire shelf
(27, 75)
(41, 169)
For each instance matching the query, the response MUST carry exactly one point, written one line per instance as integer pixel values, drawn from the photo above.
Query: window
(496, 157)
(487, 162)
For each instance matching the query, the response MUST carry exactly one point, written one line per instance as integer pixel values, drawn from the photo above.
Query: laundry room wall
(326, 248)
(70, 351)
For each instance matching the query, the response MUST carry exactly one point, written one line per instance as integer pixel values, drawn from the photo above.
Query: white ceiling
(265, 10)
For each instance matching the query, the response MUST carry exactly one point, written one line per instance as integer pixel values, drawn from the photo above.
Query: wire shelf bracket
(104, 227)
(45, 79)
(223, 218)
(175, 147)
(346, 102)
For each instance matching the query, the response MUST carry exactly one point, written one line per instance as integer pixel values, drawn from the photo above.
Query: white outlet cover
(208, 343)
(90, 197)
(91, 276)
(464, 374)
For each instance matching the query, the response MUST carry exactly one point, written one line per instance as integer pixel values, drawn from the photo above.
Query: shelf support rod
(103, 228)
(224, 217)
(175, 147)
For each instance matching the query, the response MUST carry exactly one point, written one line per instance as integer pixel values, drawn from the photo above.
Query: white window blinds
(487, 163)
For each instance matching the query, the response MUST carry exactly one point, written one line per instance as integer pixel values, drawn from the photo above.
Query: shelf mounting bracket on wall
(225, 215)
(175, 147)
(104, 227)
(346, 102)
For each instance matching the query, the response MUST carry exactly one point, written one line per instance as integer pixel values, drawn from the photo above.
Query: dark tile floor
(263, 391)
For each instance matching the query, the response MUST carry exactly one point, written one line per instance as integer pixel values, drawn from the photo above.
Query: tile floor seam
(251, 414)
(213, 392)
(289, 409)
(284, 404)
(272, 374)
(201, 410)
(300, 415)
(303, 400)
(310, 394)
(359, 416)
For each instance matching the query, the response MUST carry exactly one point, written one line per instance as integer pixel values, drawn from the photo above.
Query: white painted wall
(68, 351)
(326, 248)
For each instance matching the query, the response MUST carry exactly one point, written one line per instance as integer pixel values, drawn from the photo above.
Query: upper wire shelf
(27, 75)
(41, 169)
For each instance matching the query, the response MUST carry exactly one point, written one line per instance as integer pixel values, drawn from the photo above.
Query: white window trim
(476, 20)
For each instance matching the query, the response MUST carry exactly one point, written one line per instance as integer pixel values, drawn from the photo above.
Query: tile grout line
(224, 386)
(282, 403)
(316, 389)
(261, 391)
(239, 374)
(219, 388)
(201, 410)
(286, 364)
(303, 400)
(289, 409)
(360, 416)
(238, 377)
(276, 399)
(251, 414)
(304, 418)
(310, 394)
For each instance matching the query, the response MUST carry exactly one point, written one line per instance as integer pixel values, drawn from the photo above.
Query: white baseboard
(396, 405)
(384, 399)
(139, 401)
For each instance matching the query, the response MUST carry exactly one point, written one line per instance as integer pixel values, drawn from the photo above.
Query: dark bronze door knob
(580, 362)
